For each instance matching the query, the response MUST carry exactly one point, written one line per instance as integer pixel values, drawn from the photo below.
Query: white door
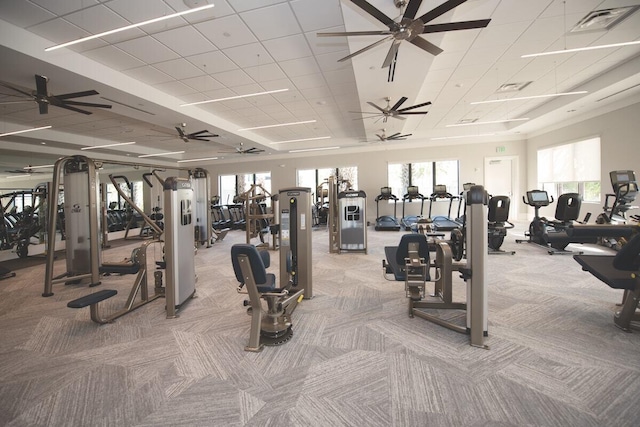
(500, 174)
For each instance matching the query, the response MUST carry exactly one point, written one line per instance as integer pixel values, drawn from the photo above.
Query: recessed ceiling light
(234, 97)
(128, 27)
(198, 160)
(16, 132)
(522, 98)
(37, 167)
(300, 140)
(489, 122)
(162, 154)
(581, 49)
(95, 147)
(313, 149)
(278, 125)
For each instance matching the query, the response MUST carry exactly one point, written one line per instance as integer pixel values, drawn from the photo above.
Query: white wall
(619, 132)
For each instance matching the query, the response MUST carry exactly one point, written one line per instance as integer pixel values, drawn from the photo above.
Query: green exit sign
(501, 149)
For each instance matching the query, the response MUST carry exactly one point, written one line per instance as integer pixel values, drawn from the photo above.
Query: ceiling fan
(396, 112)
(201, 135)
(408, 28)
(395, 137)
(43, 98)
(27, 170)
(241, 150)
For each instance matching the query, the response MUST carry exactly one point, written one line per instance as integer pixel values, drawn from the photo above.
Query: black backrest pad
(628, 258)
(255, 261)
(568, 207)
(499, 208)
(403, 247)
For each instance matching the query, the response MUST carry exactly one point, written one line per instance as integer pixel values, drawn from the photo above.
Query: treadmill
(442, 222)
(412, 194)
(387, 222)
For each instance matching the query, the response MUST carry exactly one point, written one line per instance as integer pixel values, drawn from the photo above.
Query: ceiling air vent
(512, 87)
(605, 19)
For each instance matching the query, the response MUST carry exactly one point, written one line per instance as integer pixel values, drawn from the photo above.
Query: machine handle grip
(146, 179)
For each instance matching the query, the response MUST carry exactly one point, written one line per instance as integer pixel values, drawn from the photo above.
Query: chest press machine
(409, 262)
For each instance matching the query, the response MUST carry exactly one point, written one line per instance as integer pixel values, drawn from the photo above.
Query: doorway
(501, 179)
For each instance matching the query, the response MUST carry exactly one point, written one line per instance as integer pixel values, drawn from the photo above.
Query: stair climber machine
(387, 222)
(442, 222)
(412, 194)
(625, 190)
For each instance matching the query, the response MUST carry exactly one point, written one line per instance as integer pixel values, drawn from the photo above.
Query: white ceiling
(247, 46)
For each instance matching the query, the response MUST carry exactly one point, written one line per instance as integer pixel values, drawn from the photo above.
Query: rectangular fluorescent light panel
(18, 176)
(234, 97)
(128, 27)
(161, 154)
(462, 136)
(198, 160)
(300, 140)
(279, 125)
(488, 122)
(37, 167)
(580, 49)
(522, 98)
(313, 149)
(95, 147)
(16, 132)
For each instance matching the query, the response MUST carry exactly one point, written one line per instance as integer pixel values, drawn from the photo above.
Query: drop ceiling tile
(61, 31)
(290, 47)
(272, 22)
(175, 88)
(320, 45)
(244, 5)
(233, 78)
(314, 15)
(148, 75)
(114, 58)
(97, 19)
(212, 62)
(220, 9)
(179, 69)
(203, 83)
(23, 14)
(317, 92)
(329, 61)
(62, 7)
(279, 84)
(264, 73)
(226, 32)
(344, 75)
(300, 67)
(185, 41)
(248, 55)
(140, 11)
(148, 50)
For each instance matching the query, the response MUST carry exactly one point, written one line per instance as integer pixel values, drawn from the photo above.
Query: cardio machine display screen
(538, 196)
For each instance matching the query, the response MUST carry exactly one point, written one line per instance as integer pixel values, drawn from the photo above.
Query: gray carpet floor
(355, 359)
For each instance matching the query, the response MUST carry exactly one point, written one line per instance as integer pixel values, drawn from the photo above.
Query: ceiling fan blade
(399, 103)
(425, 45)
(376, 107)
(355, 33)
(391, 54)
(440, 10)
(399, 137)
(381, 137)
(413, 112)
(364, 49)
(395, 135)
(8, 86)
(15, 102)
(41, 85)
(43, 107)
(454, 26)
(77, 94)
(83, 104)
(412, 9)
(373, 11)
(67, 107)
(399, 117)
(402, 110)
(180, 132)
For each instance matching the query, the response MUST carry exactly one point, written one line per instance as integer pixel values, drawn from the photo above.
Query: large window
(232, 185)
(114, 201)
(347, 178)
(425, 175)
(571, 168)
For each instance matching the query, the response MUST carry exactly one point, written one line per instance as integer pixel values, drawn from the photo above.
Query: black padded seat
(617, 271)
(91, 299)
(396, 254)
(259, 262)
(119, 268)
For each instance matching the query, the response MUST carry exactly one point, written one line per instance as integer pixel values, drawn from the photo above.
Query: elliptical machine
(625, 190)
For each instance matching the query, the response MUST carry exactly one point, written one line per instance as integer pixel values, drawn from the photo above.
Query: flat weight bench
(621, 271)
(92, 300)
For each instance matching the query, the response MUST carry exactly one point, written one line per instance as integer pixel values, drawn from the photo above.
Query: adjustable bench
(621, 271)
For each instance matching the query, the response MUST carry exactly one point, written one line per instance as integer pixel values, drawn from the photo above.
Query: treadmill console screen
(439, 189)
(412, 189)
(385, 191)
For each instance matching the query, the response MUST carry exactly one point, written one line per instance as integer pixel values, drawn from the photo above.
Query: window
(114, 201)
(424, 175)
(231, 186)
(571, 168)
(347, 178)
